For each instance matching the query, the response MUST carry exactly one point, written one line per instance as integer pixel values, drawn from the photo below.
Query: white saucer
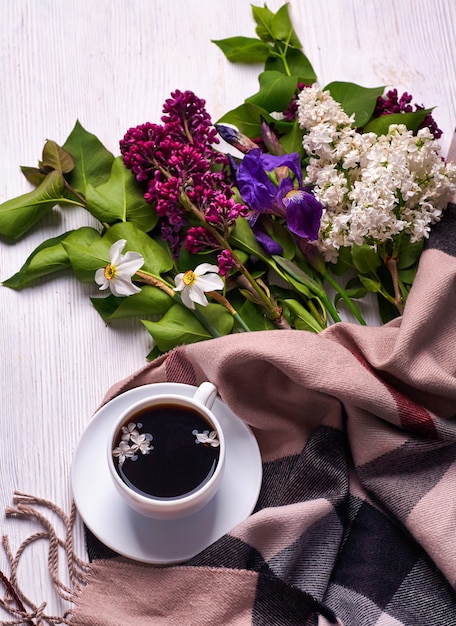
(163, 541)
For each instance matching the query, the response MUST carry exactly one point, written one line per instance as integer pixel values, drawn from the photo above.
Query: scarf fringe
(21, 608)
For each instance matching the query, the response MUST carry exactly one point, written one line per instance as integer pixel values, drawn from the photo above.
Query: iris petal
(292, 161)
(303, 214)
(255, 186)
(269, 244)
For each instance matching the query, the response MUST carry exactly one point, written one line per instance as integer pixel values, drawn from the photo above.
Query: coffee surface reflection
(166, 451)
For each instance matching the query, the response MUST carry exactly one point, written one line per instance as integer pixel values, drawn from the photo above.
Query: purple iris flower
(298, 206)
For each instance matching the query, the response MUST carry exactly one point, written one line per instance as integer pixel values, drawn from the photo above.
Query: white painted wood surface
(111, 64)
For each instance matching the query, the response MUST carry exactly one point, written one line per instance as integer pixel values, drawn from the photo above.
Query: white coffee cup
(161, 464)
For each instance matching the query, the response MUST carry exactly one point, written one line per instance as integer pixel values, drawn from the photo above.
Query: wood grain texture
(111, 64)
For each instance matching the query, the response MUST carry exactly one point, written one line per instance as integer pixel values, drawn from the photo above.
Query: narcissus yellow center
(110, 272)
(189, 277)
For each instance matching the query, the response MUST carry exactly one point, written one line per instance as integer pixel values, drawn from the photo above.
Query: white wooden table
(111, 64)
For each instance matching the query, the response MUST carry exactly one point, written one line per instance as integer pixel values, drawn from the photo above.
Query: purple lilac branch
(392, 103)
(189, 183)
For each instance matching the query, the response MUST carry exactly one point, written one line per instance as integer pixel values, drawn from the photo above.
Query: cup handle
(206, 394)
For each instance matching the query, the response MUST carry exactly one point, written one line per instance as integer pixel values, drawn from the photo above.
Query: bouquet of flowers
(322, 196)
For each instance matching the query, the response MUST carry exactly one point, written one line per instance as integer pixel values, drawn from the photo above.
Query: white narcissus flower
(117, 274)
(194, 283)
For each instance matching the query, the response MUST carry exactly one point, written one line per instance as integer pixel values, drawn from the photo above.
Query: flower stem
(279, 320)
(316, 314)
(353, 308)
(156, 282)
(204, 321)
(149, 279)
(391, 264)
(82, 201)
(241, 322)
(226, 303)
(273, 310)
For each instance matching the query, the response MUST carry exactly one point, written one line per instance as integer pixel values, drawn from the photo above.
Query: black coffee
(166, 451)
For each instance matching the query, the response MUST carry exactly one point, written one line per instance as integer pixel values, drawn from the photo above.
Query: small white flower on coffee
(132, 442)
(206, 437)
(123, 452)
(142, 443)
(129, 430)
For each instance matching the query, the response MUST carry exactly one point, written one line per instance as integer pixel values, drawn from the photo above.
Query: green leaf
(387, 310)
(33, 174)
(298, 275)
(308, 322)
(243, 49)
(157, 257)
(275, 229)
(282, 28)
(149, 301)
(255, 316)
(298, 65)
(154, 353)
(276, 91)
(366, 259)
(247, 118)
(344, 262)
(180, 326)
(355, 99)
(19, 214)
(187, 260)
(408, 275)
(263, 17)
(49, 257)
(275, 26)
(374, 286)
(380, 125)
(56, 158)
(93, 161)
(242, 237)
(121, 199)
(85, 260)
(354, 290)
(409, 253)
(291, 141)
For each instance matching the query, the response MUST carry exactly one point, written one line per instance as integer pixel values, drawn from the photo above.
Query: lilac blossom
(186, 113)
(222, 211)
(290, 112)
(392, 103)
(199, 239)
(226, 263)
(178, 158)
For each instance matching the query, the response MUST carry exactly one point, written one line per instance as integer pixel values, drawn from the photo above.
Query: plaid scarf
(355, 522)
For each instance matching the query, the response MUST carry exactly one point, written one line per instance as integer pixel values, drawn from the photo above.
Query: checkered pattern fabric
(356, 519)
